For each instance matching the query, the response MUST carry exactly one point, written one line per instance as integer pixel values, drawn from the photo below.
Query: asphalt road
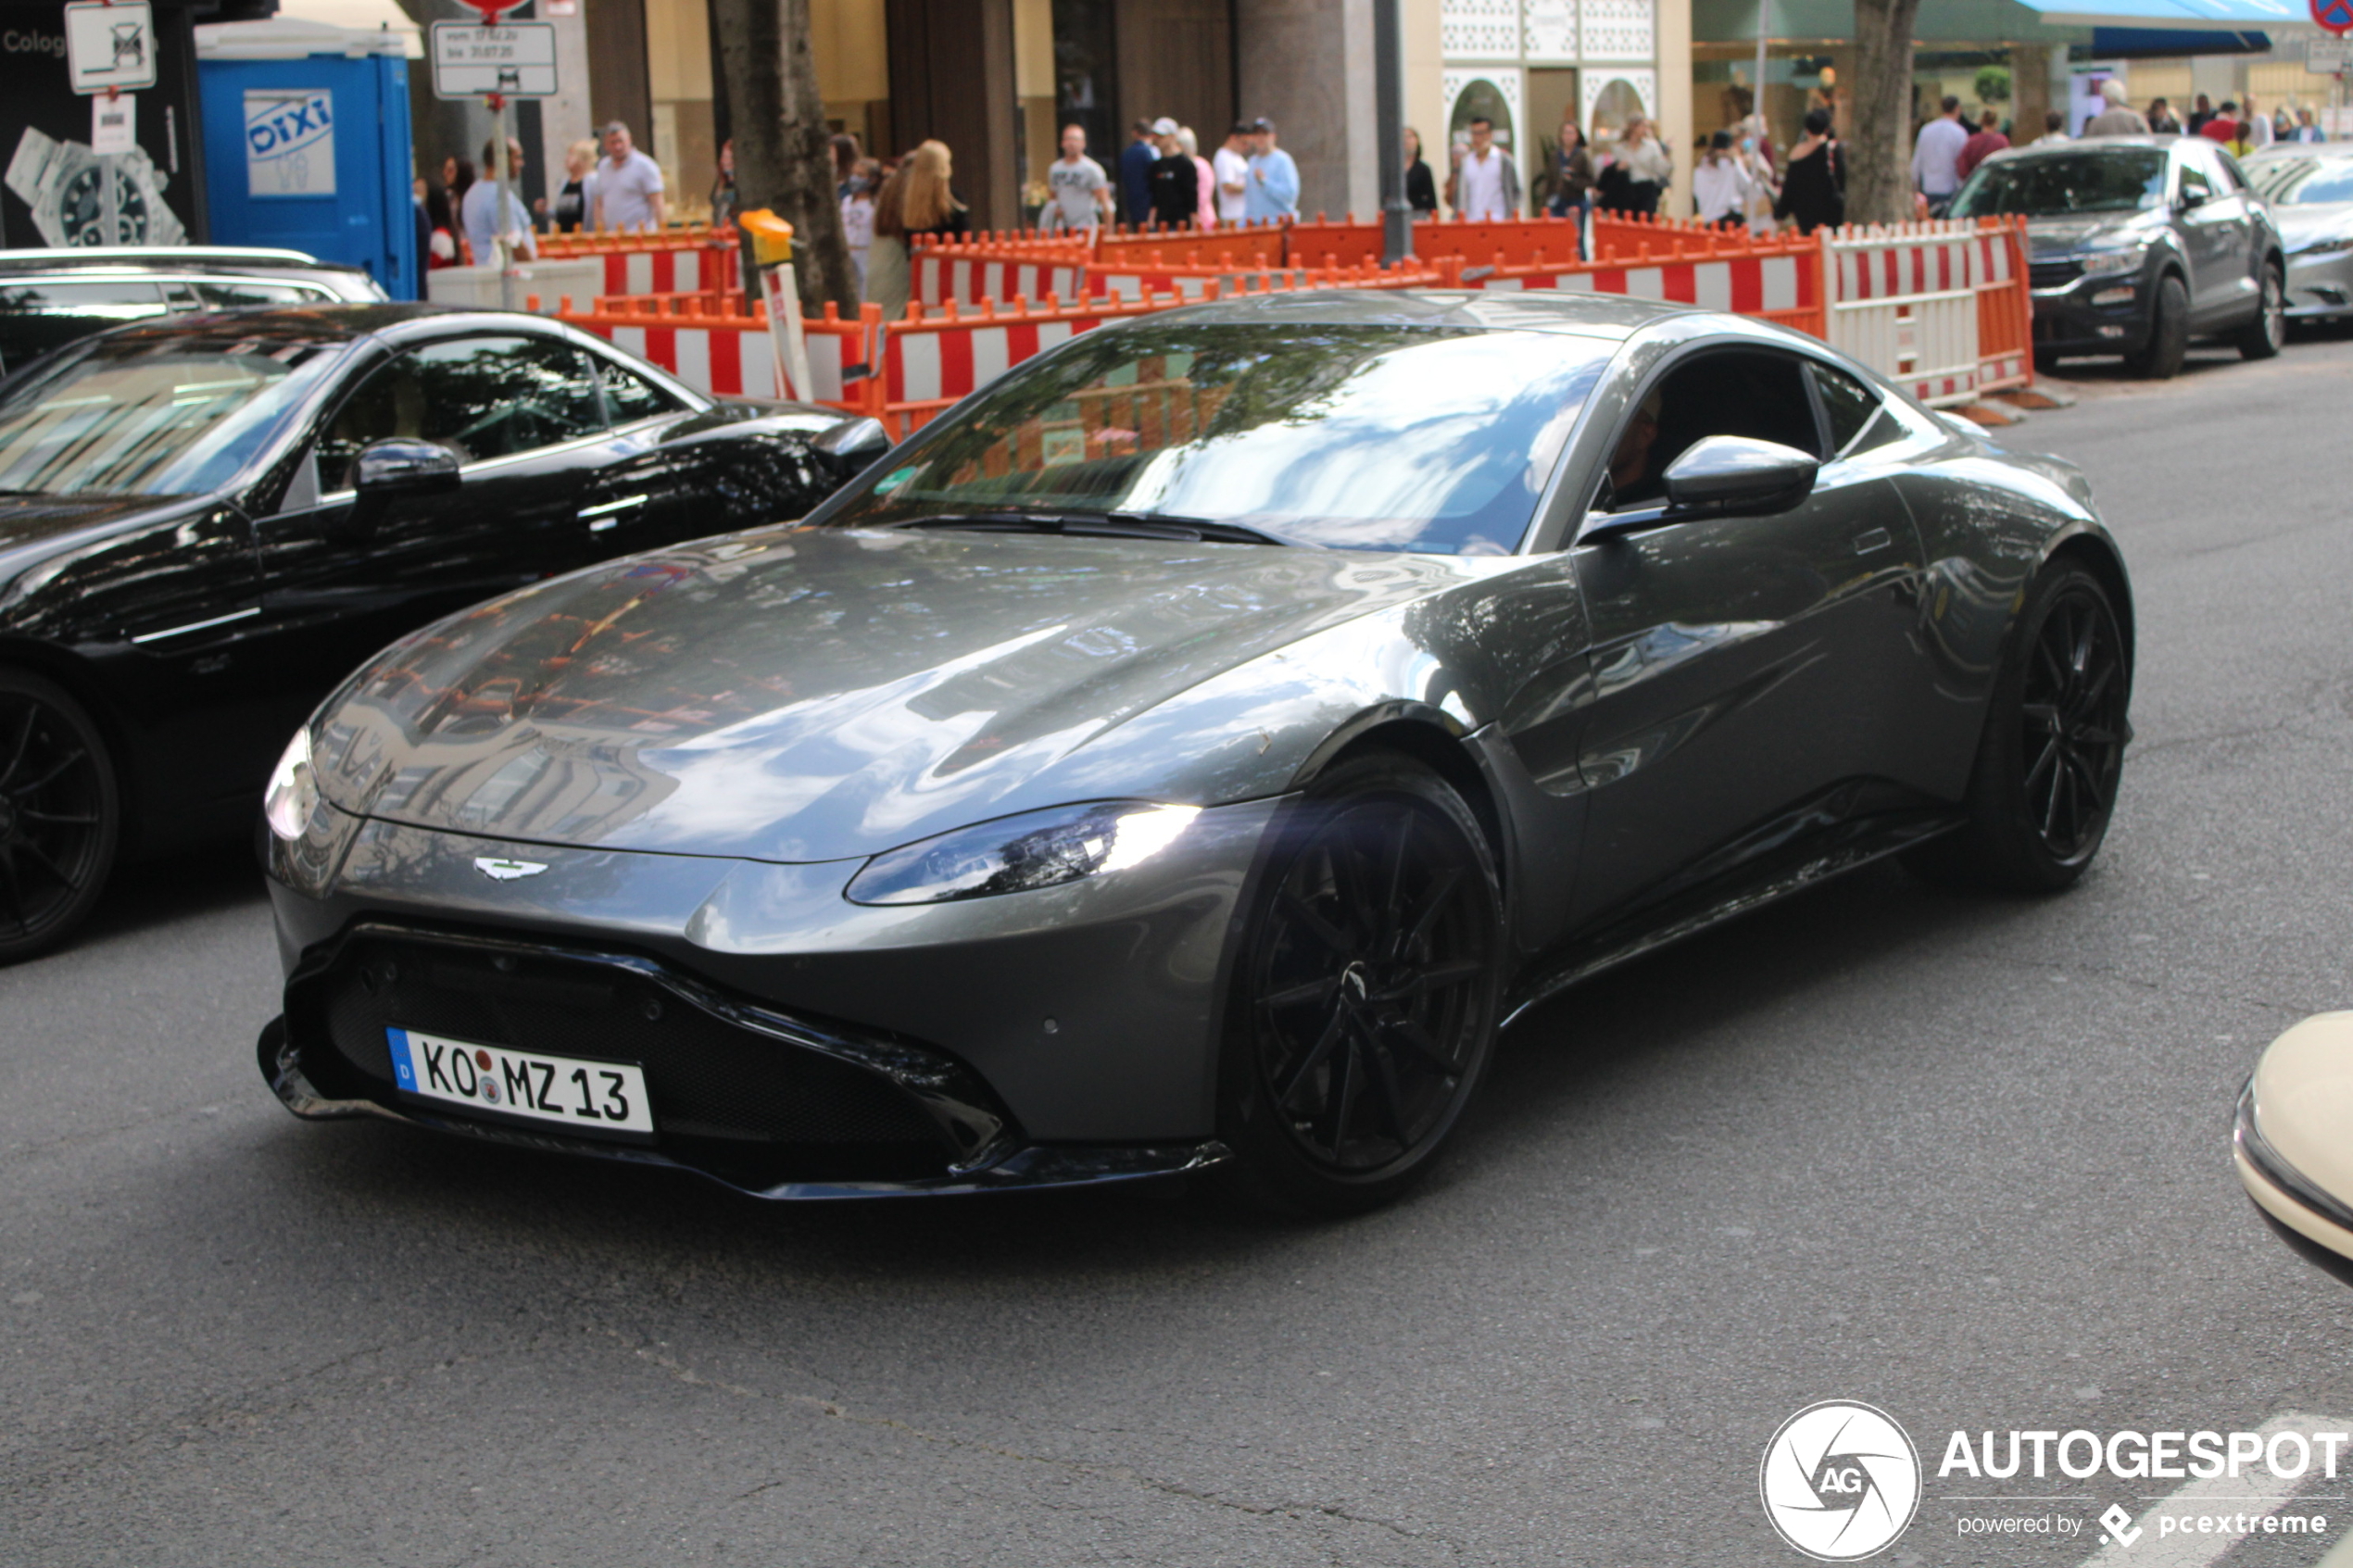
(1964, 1158)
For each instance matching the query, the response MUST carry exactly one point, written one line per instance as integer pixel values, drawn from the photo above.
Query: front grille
(708, 1078)
(2053, 275)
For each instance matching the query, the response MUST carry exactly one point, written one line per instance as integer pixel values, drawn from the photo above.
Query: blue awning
(2148, 43)
(2230, 15)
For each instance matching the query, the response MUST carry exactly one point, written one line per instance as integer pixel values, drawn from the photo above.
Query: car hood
(798, 694)
(2302, 226)
(2048, 237)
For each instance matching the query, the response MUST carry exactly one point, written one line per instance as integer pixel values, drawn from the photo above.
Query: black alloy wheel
(2169, 341)
(2044, 788)
(2267, 334)
(61, 814)
(1364, 995)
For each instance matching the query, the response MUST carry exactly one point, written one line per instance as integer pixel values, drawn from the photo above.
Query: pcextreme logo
(1839, 1481)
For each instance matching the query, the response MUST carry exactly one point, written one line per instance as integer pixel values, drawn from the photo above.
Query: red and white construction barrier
(1905, 301)
(1750, 285)
(720, 358)
(971, 280)
(938, 362)
(683, 270)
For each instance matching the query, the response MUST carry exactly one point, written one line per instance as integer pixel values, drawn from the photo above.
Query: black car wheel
(2043, 787)
(2264, 336)
(61, 814)
(2168, 331)
(1364, 1001)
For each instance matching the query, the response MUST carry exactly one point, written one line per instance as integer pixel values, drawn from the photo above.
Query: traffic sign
(2334, 15)
(110, 48)
(514, 60)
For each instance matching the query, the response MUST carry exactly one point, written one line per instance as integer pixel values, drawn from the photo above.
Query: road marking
(2255, 1493)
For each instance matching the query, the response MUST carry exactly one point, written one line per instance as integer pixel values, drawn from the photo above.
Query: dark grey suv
(2139, 243)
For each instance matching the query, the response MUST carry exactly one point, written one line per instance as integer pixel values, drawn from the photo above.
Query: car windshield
(2304, 181)
(2052, 185)
(176, 416)
(1367, 437)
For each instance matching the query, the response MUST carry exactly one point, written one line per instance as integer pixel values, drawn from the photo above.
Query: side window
(2234, 177)
(2194, 179)
(1733, 391)
(481, 398)
(1848, 405)
(629, 395)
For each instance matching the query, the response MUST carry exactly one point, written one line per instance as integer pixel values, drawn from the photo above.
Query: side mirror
(2191, 197)
(402, 467)
(850, 447)
(1737, 475)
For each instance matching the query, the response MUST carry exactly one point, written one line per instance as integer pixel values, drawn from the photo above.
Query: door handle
(608, 513)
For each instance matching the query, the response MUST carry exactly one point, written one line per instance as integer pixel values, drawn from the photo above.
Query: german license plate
(585, 1096)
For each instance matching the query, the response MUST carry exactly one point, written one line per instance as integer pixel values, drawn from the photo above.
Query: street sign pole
(501, 175)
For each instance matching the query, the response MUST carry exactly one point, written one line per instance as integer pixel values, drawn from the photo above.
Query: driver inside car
(1631, 483)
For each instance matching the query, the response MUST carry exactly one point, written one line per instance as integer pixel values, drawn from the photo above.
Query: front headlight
(293, 794)
(1017, 854)
(2115, 260)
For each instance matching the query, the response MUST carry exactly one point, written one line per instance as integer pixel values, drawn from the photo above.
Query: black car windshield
(2303, 181)
(2054, 184)
(175, 416)
(1431, 439)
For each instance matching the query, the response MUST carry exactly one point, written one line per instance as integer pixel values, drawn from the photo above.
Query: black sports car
(206, 522)
(1189, 751)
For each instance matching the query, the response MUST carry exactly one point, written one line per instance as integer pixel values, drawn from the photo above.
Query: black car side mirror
(403, 467)
(2191, 197)
(850, 447)
(1738, 475)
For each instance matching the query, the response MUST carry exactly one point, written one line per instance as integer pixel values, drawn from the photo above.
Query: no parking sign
(2334, 15)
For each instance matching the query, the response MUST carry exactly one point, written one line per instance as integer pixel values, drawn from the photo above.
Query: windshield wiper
(1099, 525)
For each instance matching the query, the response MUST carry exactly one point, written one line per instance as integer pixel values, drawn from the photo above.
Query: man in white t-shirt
(1231, 169)
(629, 187)
(1081, 190)
(1486, 185)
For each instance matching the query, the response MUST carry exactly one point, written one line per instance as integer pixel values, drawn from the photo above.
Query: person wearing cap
(629, 187)
(1273, 188)
(1136, 172)
(1176, 184)
(1231, 165)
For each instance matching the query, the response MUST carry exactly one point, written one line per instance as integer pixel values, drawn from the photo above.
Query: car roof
(165, 258)
(2089, 145)
(1609, 317)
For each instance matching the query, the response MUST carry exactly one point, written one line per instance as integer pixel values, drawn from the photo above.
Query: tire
(2169, 332)
(1364, 993)
(2263, 337)
(2043, 789)
(61, 814)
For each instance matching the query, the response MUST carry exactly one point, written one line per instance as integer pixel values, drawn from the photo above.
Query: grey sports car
(1188, 752)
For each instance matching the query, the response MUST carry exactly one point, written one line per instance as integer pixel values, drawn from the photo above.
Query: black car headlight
(293, 792)
(1021, 853)
(2126, 260)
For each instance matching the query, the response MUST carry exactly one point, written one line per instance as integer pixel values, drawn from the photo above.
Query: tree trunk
(1879, 178)
(783, 157)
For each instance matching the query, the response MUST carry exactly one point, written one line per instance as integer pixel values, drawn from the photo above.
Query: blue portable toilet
(305, 137)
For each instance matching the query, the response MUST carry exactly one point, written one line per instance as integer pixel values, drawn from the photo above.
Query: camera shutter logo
(1839, 1481)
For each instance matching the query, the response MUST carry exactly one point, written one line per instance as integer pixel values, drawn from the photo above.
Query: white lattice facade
(1495, 41)
(1480, 30)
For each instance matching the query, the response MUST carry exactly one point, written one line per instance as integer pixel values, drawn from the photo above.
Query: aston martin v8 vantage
(1188, 752)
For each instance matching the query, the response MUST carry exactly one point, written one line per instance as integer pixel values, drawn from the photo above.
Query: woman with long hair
(1421, 185)
(928, 205)
(440, 243)
(889, 282)
(1572, 179)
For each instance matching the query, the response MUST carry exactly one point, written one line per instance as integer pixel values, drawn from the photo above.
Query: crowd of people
(610, 186)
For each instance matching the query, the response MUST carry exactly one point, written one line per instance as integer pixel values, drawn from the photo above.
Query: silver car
(2310, 186)
(49, 298)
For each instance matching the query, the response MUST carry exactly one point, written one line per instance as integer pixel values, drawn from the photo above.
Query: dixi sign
(290, 142)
